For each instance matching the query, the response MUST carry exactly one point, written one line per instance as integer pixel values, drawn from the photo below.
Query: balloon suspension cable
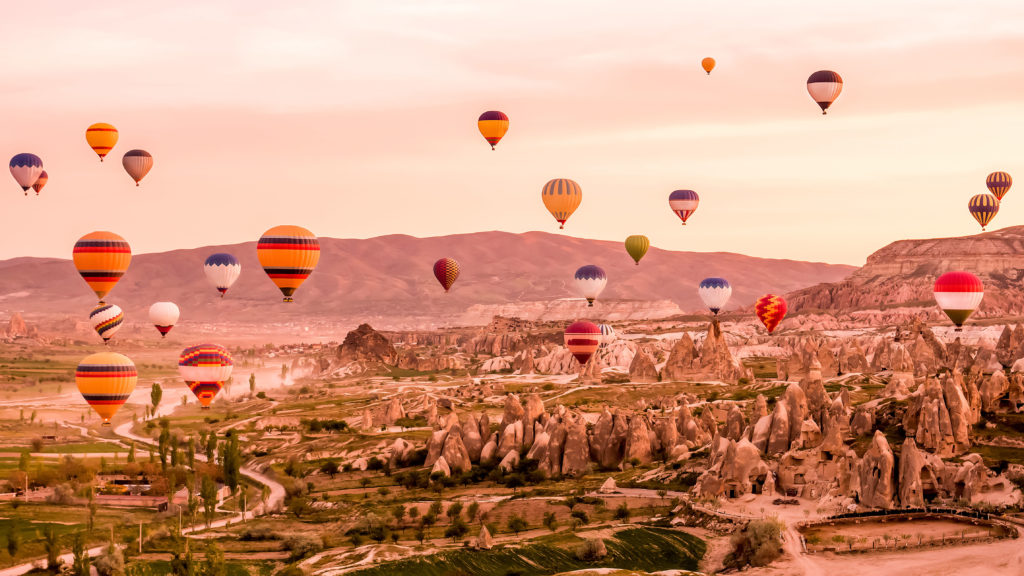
(106, 423)
(824, 112)
(561, 226)
(136, 184)
(492, 146)
(288, 299)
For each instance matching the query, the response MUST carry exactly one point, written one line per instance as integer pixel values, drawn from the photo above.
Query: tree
(298, 505)
(80, 563)
(454, 511)
(131, 452)
(383, 491)
(399, 513)
(164, 443)
(93, 508)
(156, 394)
(414, 512)
(758, 544)
(214, 564)
(211, 447)
(284, 371)
(111, 561)
(622, 512)
(513, 481)
(330, 468)
(208, 492)
(457, 530)
(24, 460)
(435, 508)
(190, 452)
(472, 511)
(51, 542)
(13, 541)
(32, 419)
(421, 534)
(661, 494)
(252, 384)
(551, 521)
(517, 524)
(232, 461)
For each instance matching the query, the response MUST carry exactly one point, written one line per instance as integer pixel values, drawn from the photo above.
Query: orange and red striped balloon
(102, 138)
(582, 339)
(106, 380)
(770, 309)
(101, 258)
(493, 125)
(288, 254)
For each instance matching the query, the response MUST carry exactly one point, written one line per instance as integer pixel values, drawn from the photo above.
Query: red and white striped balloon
(582, 339)
(958, 293)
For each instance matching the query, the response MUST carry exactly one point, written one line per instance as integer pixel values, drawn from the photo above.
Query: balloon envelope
(590, 281)
(222, 270)
(636, 247)
(26, 169)
(101, 138)
(582, 339)
(446, 270)
(999, 184)
(288, 254)
(493, 125)
(683, 203)
(770, 309)
(561, 197)
(715, 293)
(708, 64)
(101, 258)
(164, 315)
(106, 319)
(824, 86)
(984, 208)
(607, 335)
(106, 380)
(137, 163)
(41, 182)
(204, 368)
(958, 294)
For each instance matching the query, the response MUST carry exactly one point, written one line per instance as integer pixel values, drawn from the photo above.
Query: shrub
(758, 544)
(591, 550)
(302, 545)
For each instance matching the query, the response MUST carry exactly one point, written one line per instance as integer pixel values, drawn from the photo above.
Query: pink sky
(358, 119)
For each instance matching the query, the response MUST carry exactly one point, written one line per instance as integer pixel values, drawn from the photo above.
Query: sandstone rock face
(490, 450)
(992, 391)
(440, 466)
(455, 454)
(863, 422)
(638, 441)
(682, 360)
(642, 368)
(733, 469)
(367, 423)
(1010, 346)
(435, 445)
(608, 486)
(716, 359)
(875, 474)
(393, 410)
(471, 438)
(367, 345)
(509, 462)
(484, 541)
(576, 456)
(511, 439)
(514, 412)
(734, 423)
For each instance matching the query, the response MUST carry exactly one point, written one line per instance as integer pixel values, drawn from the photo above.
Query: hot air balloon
(984, 208)
(636, 247)
(101, 258)
(106, 320)
(288, 254)
(164, 315)
(26, 169)
(958, 294)
(446, 270)
(999, 184)
(205, 368)
(708, 64)
(106, 380)
(824, 87)
(561, 197)
(770, 309)
(493, 125)
(222, 270)
(101, 138)
(40, 182)
(137, 163)
(607, 335)
(683, 203)
(715, 293)
(582, 339)
(590, 281)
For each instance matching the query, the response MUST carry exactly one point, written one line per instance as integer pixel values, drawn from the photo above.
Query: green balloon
(637, 246)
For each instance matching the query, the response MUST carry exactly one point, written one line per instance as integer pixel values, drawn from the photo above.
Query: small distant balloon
(999, 184)
(493, 125)
(636, 247)
(984, 208)
(288, 254)
(708, 64)
(26, 169)
(222, 270)
(824, 86)
(590, 281)
(770, 309)
(40, 182)
(101, 138)
(561, 197)
(137, 163)
(106, 319)
(164, 315)
(683, 203)
(446, 270)
(607, 335)
(715, 292)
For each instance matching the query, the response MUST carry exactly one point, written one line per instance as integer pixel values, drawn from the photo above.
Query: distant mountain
(388, 281)
(904, 272)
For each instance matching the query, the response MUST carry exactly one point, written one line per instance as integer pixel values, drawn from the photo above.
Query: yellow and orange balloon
(708, 64)
(102, 138)
(101, 258)
(561, 197)
(493, 125)
(288, 254)
(106, 380)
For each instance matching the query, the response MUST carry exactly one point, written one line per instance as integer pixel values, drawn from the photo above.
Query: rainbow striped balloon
(288, 254)
(106, 320)
(101, 258)
(446, 270)
(106, 380)
(204, 368)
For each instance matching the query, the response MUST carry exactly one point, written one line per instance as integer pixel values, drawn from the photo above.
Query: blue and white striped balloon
(715, 293)
(26, 169)
(590, 281)
(607, 335)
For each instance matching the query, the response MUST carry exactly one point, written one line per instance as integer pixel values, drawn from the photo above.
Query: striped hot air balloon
(824, 86)
(288, 254)
(715, 293)
(958, 294)
(607, 335)
(222, 270)
(41, 182)
(561, 197)
(683, 203)
(493, 125)
(26, 169)
(999, 184)
(590, 281)
(137, 163)
(708, 64)
(582, 339)
(770, 309)
(984, 208)
(446, 270)
(101, 138)
(106, 380)
(636, 247)
(164, 315)
(101, 258)
(106, 319)
(205, 368)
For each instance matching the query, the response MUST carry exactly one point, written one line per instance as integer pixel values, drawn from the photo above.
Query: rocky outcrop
(364, 344)
(638, 447)
(393, 410)
(876, 474)
(642, 369)
(455, 453)
(733, 469)
(683, 360)
(576, 456)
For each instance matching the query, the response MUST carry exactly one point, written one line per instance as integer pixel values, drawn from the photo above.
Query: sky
(358, 119)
